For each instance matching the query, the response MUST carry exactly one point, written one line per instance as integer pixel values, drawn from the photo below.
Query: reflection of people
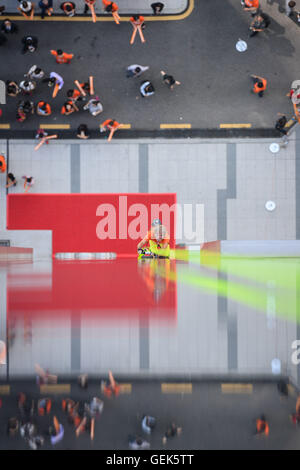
(173, 430)
(262, 426)
(157, 240)
(148, 423)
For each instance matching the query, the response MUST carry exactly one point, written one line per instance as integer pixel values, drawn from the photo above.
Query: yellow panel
(175, 126)
(55, 126)
(4, 126)
(125, 126)
(4, 389)
(176, 388)
(125, 388)
(237, 388)
(55, 388)
(234, 126)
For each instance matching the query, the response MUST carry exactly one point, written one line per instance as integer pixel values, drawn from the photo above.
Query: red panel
(99, 288)
(73, 219)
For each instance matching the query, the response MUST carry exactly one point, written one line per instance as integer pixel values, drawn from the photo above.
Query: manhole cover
(241, 46)
(270, 205)
(274, 148)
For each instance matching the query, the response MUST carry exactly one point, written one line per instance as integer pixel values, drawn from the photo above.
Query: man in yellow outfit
(157, 240)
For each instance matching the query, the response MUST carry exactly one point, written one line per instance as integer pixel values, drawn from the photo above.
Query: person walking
(11, 180)
(110, 7)
(280, 124)
(260, 85)
(69, 8)
(259, 23)
(30, 44)
(146, 89)
(262, 426)
(28, 183)
(25, 108)
(136, 70)
(27, 87)
(46, 7)
(137, 20)
(251, 5)
(35, 73)
(2, 164)
(12, 89)
(157, 7)
(25, 8)
(8, 27)
(87, 5)
(83, 132)
(148, 424)
(172, 431)
(94, 106)
(169, 80)
(43, 109)
(62, 57)
(68, 108)
(56, 79)
(74, 95)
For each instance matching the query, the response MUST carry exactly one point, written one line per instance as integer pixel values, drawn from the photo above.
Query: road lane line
(235, 126)
(175, 126)
(176, 388)
(237, 388)
(55, 388)
(4, 389)
(55, 126)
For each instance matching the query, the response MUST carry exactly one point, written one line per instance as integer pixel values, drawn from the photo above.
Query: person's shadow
(276, 39)
(281, 4)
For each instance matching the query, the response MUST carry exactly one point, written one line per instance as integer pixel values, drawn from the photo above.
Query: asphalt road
(199, 51)
(209, 418)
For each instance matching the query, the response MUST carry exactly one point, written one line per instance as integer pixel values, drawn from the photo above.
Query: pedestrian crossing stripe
(175, 126)
(235, 126)
(237, 388)
(4, 389)
(54, 126)
(55, 388)
(176, 388)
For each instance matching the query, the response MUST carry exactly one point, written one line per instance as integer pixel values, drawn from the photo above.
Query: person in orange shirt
(74, 94)
(251, 5)
(69, 107)
(137, 20)
(157, 240)
(2, 164)
(110, 7)
(109, 124)
(262, 426)
(260, 85)
(43, 108)
(86, 6)
(62, 57)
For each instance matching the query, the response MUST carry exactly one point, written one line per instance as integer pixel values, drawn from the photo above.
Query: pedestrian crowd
(40, 421)
(82, 97)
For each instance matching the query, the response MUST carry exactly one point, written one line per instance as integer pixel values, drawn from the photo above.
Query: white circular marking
(270, 205)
